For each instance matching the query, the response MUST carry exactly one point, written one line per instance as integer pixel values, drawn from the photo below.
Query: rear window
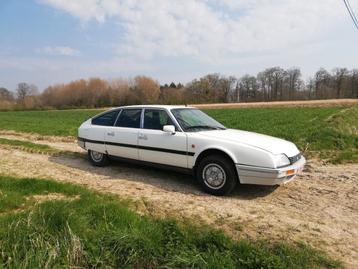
(106, 119)
(129, 118)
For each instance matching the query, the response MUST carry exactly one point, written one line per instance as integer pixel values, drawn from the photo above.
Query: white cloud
(183, 39)
(209, 30)
(58, 51)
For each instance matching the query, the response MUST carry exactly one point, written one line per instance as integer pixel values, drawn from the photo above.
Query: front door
(122, 139)
(157, 146)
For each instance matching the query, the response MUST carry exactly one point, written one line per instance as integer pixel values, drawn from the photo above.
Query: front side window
(155, 119)
(129, 118)
(193, 120)
(106, 119)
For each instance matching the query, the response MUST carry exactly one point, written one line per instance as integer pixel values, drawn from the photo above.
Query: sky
(45, 42)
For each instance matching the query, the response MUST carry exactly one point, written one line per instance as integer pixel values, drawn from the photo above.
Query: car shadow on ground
(161, 178)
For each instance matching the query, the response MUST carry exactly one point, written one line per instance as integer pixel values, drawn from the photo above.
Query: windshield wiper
(203, 127)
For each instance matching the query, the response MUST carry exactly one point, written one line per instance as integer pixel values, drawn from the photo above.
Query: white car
(188, 139)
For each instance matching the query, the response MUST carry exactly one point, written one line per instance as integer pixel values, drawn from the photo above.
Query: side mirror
(169, 129)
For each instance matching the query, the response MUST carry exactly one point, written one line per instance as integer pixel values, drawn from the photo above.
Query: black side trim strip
(138, 147)
(121, 145)
(156, 165)
(166, 150)
(90, 141)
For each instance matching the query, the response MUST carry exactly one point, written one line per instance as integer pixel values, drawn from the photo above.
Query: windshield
(193, 120)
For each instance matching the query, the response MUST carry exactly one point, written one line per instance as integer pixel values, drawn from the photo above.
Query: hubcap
(96, 156)
(214, 176)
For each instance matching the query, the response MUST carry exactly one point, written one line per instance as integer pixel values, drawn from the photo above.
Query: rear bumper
(269, 176)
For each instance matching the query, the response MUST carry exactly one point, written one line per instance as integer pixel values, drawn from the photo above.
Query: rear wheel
(217, 175)
(97, 158)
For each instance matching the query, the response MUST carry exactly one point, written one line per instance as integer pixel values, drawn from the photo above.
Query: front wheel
(216, 175)
(97, 158)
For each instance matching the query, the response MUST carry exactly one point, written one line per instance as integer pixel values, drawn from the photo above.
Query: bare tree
(310, 87)
(353, 93)
(271, 83)
(5, 94)
(23, 90)
(248, 88)
(294, 82)
(322, 84)
(340, 77)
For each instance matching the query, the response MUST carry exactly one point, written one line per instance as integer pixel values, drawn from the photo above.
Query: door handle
(142, 136)
(110, 133)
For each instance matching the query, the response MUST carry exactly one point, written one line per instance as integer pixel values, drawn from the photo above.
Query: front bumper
(269, 176)
(81, 143)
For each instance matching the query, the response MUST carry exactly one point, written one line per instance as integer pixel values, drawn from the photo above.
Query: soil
(304, 103)
(320, 207)
(40, 198)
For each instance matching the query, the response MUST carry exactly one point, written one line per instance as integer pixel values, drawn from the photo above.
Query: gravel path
(319, 208)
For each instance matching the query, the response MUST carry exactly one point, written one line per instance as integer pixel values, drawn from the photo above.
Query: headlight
(281, 160)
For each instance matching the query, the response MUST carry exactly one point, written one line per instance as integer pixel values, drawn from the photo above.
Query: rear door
(122, 138)
(157, 146)
(94, 137)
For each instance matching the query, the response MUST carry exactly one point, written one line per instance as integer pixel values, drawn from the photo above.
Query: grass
(329, 132)
(28, 146)
(51, 122)
(36, 148)
(99, 231)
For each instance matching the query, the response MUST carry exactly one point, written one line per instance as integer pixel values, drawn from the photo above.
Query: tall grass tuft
(100, 231)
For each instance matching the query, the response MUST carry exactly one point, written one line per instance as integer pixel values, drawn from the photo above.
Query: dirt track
(309, 103)
(278, 104)
(320, 207)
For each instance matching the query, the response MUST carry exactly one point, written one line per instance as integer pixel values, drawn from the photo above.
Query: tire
(217, 175)
(97, 158)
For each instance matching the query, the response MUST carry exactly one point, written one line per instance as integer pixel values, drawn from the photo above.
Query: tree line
(272, 84)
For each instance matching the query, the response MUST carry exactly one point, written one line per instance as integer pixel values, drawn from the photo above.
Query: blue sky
(54, 41)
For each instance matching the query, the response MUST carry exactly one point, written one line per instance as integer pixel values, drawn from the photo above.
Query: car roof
(154, 106)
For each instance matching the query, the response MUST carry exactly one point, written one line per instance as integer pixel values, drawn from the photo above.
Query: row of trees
(276, 84)
(272, 84)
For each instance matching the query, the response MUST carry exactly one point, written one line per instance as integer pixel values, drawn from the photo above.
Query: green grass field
(84, 229)
(52, 122)
(330, 131)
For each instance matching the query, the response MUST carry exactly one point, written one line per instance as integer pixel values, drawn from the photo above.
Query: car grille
(295, 158)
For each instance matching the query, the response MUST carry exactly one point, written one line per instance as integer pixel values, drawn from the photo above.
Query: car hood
(265, 142)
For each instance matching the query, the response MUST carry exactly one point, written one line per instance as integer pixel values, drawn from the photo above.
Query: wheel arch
(216, 151)
(213, 151)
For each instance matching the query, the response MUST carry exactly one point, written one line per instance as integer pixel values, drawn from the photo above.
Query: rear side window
(106, 119)
(155, 119)
(129, 118)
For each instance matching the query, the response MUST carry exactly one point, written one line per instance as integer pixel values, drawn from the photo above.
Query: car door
(95, 136)
(122, 138)
(161, 147)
